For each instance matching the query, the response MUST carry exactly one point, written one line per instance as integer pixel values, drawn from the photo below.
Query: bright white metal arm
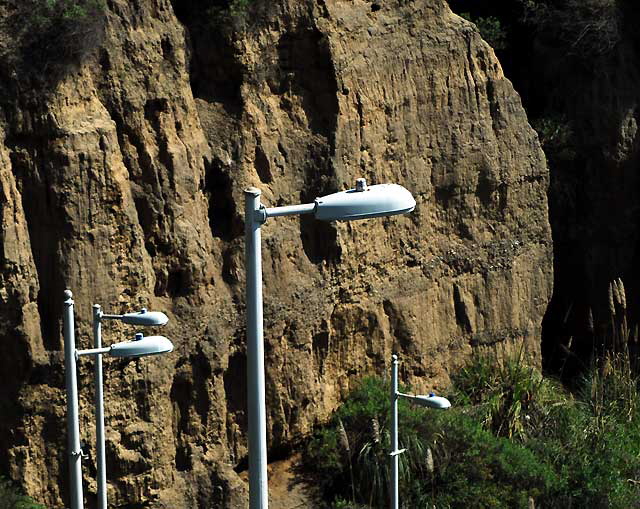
(93, 351)
(291, 210)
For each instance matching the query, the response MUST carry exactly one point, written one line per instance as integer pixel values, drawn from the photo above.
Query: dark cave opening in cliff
(215, 71)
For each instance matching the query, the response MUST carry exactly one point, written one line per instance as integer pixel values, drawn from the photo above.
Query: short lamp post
(139, 347)
(363, 202)
(430, 401)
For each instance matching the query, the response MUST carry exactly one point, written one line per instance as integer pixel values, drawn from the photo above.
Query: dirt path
(286, 489)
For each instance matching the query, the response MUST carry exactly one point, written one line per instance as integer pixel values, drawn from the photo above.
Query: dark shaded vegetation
(49, 37)
(513, 439)
(547, 42)
(225, 16)
(574, 64)
(230, 11)
(12, 497)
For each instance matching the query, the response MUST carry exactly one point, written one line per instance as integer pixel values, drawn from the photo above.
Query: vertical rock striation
(122, 179)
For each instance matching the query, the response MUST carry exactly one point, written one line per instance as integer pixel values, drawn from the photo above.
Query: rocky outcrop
(122, 179)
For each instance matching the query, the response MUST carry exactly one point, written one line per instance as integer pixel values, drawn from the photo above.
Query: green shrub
(556, 137)
(12, 498)
(596, 464)
(490, 29)
(451, 461)
(349, 455)
(51, 34)
(229, 14)
(478, 469)
(512, 437)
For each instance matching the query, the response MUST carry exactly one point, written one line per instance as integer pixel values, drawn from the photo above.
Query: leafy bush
(490, 29)
(52, 33)
(12, 498)
(451, 461)
(356, 442)
(512, 438)
(556, 137)
(478, 469)
(230, 14)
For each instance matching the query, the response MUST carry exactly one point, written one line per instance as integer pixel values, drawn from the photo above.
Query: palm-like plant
(505, 391)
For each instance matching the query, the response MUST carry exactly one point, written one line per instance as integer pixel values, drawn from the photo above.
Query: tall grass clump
(509, 396)
(612, 384)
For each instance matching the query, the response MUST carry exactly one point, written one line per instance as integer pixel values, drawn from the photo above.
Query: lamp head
(145, 318)
(142, 346)
(364, 202)
(432, 401)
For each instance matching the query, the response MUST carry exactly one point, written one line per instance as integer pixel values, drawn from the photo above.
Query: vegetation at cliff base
(12, 497)
(513, 439)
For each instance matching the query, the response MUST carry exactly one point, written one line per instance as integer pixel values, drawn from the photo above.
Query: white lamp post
(143, 318)
(141, 346)
(360, 203)
(430, 401)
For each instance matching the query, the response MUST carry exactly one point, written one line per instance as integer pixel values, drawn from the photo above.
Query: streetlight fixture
(139, 347)
(363, 202)
(144, 319)
(430, 401)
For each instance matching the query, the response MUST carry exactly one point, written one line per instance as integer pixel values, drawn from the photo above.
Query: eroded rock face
(124, 183)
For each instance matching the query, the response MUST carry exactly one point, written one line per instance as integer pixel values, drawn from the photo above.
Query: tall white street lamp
(363, 202)
(430, 401)
(139, 347)
(144, 319)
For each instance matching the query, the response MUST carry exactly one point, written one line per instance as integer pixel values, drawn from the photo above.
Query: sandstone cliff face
(123, 181)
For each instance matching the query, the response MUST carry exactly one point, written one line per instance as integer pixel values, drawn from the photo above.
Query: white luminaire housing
(432, 401)
(141, 346)
(364, 202)
(145, 318)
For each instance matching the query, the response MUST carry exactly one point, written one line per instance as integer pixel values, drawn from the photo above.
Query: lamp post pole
(258, 491)
(73, 426)
(430, 401)
(394, 433)
(142, 346)
(363, 202)
(99, 402)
